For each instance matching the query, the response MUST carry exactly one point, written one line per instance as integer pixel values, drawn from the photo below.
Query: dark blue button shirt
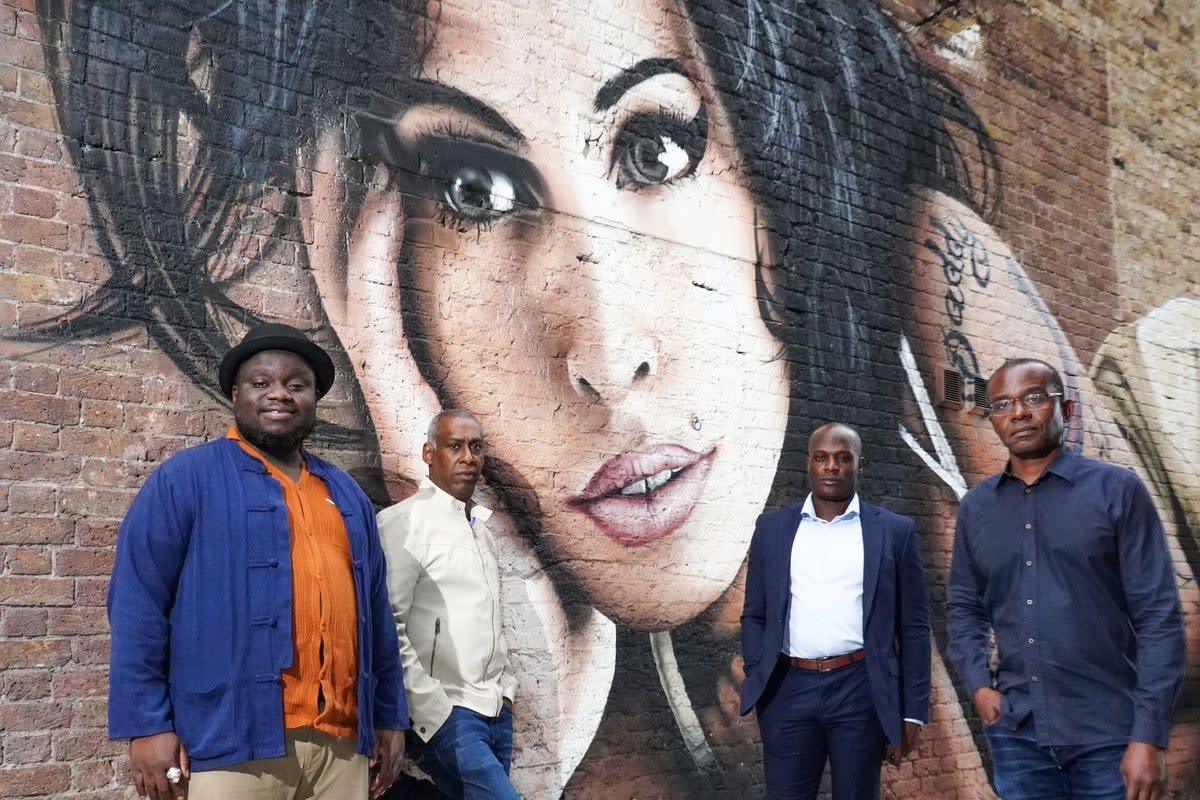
(1074, 576)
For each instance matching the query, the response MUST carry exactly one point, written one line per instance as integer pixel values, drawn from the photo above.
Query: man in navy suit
(835, 632)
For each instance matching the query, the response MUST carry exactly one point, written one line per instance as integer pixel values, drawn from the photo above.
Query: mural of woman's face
(584, 250)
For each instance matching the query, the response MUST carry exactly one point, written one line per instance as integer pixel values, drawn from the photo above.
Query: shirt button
(1028, 526)
(1034, 679)
(1031, 641)
(1028, 490)
(1029, 602)
(1029, 563)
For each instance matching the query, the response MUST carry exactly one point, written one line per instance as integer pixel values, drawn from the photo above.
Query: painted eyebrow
(438, 94)
(614, 88)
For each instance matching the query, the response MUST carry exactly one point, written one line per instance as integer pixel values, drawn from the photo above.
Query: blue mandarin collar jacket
(200, 607)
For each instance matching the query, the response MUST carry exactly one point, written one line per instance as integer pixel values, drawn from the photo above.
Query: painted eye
(480, 195)
(652, 161)
(475, 183)
(656, 149)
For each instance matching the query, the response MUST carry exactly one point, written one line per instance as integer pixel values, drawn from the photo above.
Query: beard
(278, 445)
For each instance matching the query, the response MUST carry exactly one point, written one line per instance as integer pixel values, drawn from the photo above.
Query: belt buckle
(823, 660)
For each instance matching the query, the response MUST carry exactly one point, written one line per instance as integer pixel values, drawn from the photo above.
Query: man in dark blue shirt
(1065, 560)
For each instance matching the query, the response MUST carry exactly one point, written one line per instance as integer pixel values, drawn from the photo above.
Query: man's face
(833, 455)
(1028, 433)
(456, 458)
(275, 401)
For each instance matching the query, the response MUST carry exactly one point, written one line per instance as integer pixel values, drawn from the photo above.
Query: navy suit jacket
(895, 612)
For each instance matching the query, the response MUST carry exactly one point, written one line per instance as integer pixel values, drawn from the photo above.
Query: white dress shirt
(825, 616)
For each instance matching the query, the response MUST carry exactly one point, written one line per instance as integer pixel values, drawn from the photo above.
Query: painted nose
(609, 367)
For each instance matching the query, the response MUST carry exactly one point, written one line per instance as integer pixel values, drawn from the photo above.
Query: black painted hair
(839, 124)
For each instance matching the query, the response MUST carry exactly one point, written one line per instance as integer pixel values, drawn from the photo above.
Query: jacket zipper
(491, 597)
(437, 628)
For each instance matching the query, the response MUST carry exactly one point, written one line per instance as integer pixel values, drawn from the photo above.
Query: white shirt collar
(853, 510)
(478, 513)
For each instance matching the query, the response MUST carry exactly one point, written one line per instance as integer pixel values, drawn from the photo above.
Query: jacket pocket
(437, 629)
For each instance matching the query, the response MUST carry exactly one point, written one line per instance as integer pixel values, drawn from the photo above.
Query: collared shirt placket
(1031, 556)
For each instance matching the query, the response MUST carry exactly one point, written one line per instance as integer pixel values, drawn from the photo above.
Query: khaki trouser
(317, 767)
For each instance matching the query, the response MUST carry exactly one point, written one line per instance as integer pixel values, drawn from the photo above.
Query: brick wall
(619, 267)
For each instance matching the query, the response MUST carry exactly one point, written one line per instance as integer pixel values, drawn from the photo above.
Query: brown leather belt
(826, 663)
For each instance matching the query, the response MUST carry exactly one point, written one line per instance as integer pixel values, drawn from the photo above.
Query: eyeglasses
(1004, 406)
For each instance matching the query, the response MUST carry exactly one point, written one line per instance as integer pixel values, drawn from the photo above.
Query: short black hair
(1055, 384)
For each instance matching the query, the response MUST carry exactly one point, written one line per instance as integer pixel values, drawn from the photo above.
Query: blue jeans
(1026, 770)
(469, 757)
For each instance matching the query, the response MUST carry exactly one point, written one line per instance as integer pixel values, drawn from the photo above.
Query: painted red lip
(639, 498)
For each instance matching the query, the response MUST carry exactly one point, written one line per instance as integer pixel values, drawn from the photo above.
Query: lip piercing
(696, 423)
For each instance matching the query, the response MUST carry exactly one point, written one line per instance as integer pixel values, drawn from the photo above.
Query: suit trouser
(807, 717)
(315, 766)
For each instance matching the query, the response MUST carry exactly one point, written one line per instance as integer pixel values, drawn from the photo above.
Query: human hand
(359, 289)
(385, 760)
(988, 704)
(149, 759)
(908, 742)
(1142, 770)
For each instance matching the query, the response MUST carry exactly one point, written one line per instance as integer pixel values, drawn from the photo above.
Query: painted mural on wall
(642, 238)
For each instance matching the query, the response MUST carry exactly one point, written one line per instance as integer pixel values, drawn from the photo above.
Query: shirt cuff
(915, 721)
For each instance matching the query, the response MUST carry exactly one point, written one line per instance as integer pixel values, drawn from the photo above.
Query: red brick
(25, 591)
(96, 773)
(26, 748)
(95, 502)
(78, 383)
(91, 591)
(35, 437)
(29, 230)
(35, 378)
(89, 712)
(8, 315)
(31, 260)
(26, 653)
(39, 144)
(32, 499)
(106, 473)
(72, 683)
(27, 560)
(24, 684)
(161, 421)
(79, 561)
(17, 465)
(34, 203)
(24, 622)
(160, 448)
(83, 745)
(78, 621)
(39, 407)
(96, 533)
(103, 442)
(88, 650)
(34, 781)
(102, 414)
(35, 530)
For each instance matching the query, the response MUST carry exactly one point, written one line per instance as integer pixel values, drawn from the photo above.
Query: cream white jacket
(444, 584)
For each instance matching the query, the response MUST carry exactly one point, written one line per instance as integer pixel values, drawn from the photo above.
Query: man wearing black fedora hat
(253, 648)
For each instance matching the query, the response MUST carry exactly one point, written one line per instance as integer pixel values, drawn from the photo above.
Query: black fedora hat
(276, 336)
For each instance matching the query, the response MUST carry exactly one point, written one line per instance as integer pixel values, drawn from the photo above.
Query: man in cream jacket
(444, 583)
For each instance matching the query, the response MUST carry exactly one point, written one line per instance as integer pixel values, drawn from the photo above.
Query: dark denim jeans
(469, 757)
(1026, 770)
